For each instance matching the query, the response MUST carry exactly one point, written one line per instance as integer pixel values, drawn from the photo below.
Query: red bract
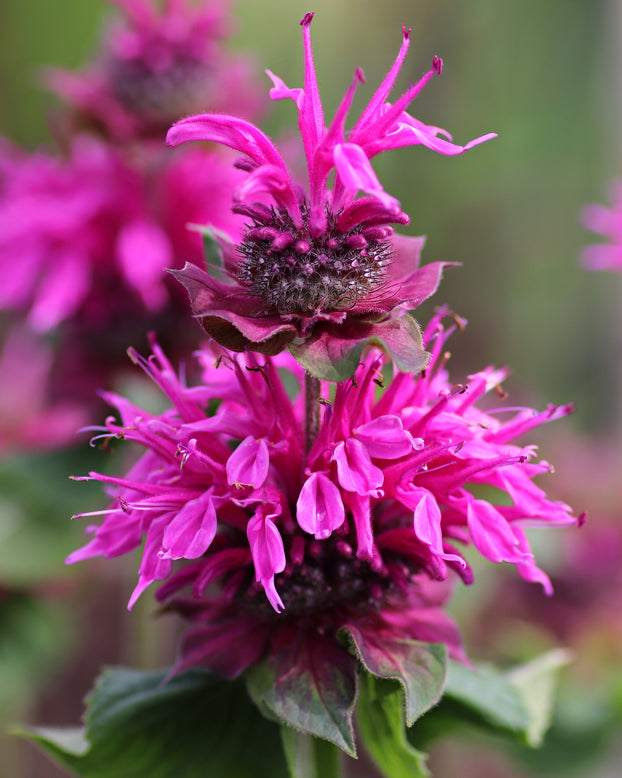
(318, 269)
(360, 530)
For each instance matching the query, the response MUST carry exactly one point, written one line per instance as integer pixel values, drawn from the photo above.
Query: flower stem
(327, 758)
(312, 409)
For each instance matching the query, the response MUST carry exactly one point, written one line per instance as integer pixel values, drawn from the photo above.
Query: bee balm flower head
(360, 530)
(319, 268)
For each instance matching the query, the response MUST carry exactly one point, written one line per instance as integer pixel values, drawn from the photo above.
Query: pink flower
(29, 419)
(361, 529)
(606, 222)
(94, 232)
(161, 62)
(318, 269)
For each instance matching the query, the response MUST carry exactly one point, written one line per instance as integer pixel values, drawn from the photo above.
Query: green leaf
(489, 694)
(194, 725)
(333, 352)
(212, 252)
(310, 685)
(380, 716)
(535, 682)
(328, 356)
(421, 668)
(517, 703)
(400, 337)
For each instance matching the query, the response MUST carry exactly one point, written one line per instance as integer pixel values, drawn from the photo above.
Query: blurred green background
(544, 74)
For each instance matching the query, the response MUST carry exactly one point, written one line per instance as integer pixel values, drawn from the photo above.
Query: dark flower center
(295, 272)
(159, 96)
(325, 580)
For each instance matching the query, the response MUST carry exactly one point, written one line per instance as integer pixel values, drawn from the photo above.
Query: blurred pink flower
(94, 234)
(30, 418)
(162, 61)
(606, 222)
(363, 526)
(319, 270)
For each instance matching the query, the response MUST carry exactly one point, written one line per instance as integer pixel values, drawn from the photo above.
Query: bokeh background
(545, 75)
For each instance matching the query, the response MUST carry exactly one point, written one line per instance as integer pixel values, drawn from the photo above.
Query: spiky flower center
(296, 271)
(159, 95)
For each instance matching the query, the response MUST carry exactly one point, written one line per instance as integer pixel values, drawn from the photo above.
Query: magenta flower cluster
(373, 509)
(93, 241)
(87, 231)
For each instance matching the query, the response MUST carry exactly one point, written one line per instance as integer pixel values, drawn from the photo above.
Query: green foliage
(380, 715)
(36, 502)
(517, 703)
(194, 725)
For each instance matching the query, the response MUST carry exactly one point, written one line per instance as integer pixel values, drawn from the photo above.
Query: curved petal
(319, 509)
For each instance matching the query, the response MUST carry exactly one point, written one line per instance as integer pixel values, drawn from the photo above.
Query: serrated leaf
(535, 682)
(380, 716)
(421, 668)
(194, 725)
(310, 685)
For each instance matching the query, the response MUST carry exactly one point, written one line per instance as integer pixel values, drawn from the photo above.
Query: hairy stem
(312, 409)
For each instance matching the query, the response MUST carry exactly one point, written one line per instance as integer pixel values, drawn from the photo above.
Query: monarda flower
(289, 543)
(319, 270)
(606, 222)
(160, 62)
(94, 232)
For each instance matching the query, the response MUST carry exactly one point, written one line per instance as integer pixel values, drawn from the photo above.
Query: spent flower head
(362, 529)
(319, 268)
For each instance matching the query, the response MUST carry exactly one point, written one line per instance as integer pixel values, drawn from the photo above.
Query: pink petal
(319, 509)
(268, 553)
(355, 470)
(61, 292)
(248, 465)
(356, 173)
(144, 253)
(192, 530)
(492, 535)
(386, 438)
(281, 91)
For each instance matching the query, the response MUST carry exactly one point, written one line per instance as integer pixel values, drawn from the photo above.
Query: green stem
(328, 759)
(310, 757)
(312, 409)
